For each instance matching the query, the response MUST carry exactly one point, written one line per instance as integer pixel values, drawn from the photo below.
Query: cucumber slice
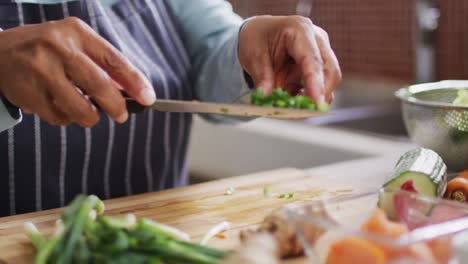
(421, 182)
(427, 171)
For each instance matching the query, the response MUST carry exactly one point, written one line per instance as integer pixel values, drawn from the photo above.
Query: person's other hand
(42, 65)
(289, 52)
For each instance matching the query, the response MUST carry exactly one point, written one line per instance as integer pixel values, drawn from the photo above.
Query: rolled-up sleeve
(210, 30)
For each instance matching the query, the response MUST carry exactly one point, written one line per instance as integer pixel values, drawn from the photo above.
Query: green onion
(302, 101)
(258, 93)
(73, 233)
(312, 107)
(229, 191)
(266, 190)
(34, 235)
(100, 207)
(282, 99)
(292, 102)
(323, 107)
(127, 221)
(82, 236)
(221, 227)
(157, 228)
(280, 103)
(47, 249)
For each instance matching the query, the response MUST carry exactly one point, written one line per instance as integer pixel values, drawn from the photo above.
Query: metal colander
(434, 122)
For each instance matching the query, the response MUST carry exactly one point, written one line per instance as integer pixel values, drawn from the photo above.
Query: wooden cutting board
(193, 209)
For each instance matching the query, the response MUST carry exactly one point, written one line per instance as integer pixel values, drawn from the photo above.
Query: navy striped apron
(44, 167)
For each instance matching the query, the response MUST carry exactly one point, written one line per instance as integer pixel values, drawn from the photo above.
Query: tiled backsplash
(373, 38)
(452, 41)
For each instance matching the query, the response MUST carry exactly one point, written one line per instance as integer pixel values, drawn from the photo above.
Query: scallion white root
(92, 215)
(127, 221)
(59, 228)
(100, 207)
(221, 227)
(34, 235)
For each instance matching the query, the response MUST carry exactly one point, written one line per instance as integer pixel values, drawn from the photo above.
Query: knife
(180, 106)
(245, 110)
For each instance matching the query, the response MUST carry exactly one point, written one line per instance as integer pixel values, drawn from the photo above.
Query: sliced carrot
(355, 250)
(420, 252)
(221, 235)
(463, 174)
(379, 224)
(457, 189)
(441, 248)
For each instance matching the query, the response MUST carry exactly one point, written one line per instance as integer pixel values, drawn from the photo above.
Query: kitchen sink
(367, 105)
(220, 151)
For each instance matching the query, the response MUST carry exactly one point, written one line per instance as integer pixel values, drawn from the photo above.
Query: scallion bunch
(84, 235)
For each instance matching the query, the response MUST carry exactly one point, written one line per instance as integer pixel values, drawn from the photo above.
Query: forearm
(221, 77)
(210, 31)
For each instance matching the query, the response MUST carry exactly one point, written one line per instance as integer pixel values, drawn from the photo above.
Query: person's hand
(289, 52)
(42, 65)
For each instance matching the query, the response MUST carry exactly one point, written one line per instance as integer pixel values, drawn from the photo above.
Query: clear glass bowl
(441, 226)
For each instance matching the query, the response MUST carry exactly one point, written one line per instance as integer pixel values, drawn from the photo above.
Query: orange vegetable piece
(354, 251)
(420, 252)
(457, 189)
(379, 224)
(441, 248)
(221, 235)
(463, 174)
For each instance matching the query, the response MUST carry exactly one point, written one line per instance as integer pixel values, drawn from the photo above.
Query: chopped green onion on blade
(282, 99)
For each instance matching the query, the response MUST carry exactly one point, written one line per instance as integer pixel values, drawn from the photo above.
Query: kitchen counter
(195, 209)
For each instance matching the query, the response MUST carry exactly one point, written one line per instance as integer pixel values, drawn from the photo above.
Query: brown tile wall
(452, 41)
(372, 38)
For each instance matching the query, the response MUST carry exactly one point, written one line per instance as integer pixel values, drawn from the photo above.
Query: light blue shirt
(210, 30)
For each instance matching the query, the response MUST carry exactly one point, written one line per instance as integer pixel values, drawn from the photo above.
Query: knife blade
(244, 110)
